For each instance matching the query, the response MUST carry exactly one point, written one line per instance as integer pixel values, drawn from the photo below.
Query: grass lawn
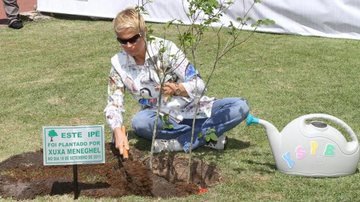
(54, 72)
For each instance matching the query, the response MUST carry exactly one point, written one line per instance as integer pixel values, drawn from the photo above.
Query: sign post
(73, 145)
(75, 181)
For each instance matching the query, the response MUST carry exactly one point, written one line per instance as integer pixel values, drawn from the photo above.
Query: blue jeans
(225, 115)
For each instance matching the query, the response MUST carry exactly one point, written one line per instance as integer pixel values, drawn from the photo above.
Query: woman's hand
(169, 89)
(176, 89)
(121, 141)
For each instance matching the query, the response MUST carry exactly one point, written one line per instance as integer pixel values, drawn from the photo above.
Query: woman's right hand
(121, 141)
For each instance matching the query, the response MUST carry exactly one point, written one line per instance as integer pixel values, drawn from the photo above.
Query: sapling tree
(164, 70)
(202, 16)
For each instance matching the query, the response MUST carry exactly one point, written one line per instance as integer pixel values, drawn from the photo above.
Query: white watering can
(310, 147)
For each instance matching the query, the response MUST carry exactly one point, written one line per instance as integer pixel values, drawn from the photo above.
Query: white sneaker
(166, 145)
(219, 145)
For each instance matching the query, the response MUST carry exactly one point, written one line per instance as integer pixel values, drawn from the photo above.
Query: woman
(139, 68)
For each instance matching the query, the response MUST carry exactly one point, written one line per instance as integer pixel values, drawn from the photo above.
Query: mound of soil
(24, 177)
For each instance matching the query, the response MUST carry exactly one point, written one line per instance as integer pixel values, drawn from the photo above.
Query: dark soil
(24, 176)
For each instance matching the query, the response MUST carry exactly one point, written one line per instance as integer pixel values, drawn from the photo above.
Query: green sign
(69, 145)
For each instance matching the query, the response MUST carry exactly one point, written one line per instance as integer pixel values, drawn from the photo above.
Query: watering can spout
(250, 119)
(272, 132)
(270, 128)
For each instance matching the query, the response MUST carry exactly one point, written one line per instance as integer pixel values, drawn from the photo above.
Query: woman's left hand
(173, 89)
(169, 89)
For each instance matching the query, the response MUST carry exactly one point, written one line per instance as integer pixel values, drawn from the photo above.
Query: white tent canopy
(326, 18)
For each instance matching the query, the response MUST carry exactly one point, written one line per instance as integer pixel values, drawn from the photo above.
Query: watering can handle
(335, 120)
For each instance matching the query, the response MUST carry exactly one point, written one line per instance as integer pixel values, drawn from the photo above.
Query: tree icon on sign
(52, 134)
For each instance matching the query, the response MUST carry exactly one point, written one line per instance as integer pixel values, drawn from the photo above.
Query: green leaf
(166, 122)
(187, 39)
(210, 130)
(170, 127)
(168, 24)
(213, 137)
(263, 22)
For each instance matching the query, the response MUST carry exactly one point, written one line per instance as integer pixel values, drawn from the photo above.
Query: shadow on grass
(259, 168)
(75, 17)
(271, 166)
(141, 143)
(61, 188)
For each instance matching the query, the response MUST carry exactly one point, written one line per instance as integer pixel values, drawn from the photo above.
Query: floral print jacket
(164, 60)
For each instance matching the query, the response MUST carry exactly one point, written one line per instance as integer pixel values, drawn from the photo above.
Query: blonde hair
(129, 19)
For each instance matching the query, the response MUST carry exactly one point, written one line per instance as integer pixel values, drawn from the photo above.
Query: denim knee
(143, 123)
(244, 108)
